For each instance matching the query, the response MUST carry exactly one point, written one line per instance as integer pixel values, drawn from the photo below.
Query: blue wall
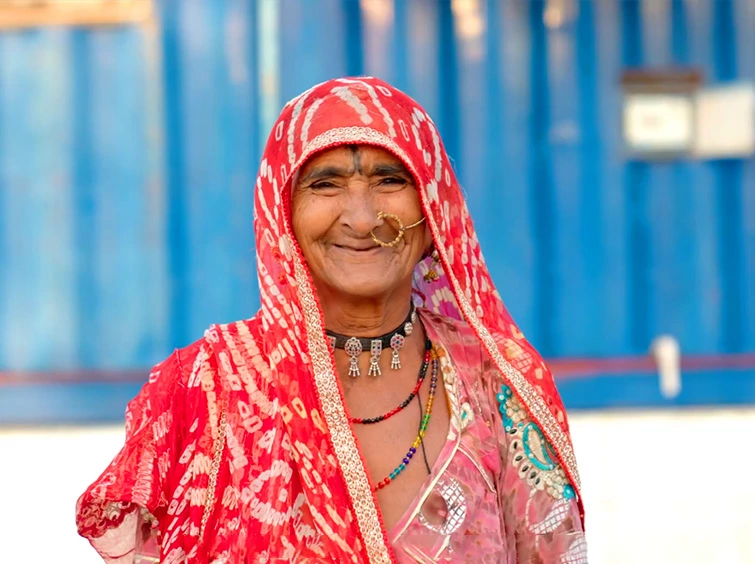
(128, 158)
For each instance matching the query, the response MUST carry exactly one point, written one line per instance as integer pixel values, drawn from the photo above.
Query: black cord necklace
(354, 346)
(422, 439)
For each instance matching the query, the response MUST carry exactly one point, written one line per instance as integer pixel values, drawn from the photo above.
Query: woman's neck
(365, 317)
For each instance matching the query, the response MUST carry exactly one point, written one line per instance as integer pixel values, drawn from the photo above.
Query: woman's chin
(362, 287)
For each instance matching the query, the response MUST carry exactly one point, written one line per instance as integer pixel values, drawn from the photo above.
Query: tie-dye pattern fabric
(239, 447)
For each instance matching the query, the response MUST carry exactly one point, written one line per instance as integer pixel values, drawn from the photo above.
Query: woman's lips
(358, 250)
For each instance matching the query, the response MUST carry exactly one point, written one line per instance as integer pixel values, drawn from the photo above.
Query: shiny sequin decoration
(577, 553)
(456, 508)
(409, 325)
(376, 347)
(353, 348)
(397, 342)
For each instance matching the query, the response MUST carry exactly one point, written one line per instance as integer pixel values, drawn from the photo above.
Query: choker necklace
(354, 346)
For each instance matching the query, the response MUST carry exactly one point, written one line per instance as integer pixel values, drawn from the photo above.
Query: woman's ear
(429, 243)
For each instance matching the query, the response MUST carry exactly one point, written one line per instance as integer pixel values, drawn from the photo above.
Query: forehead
(345, 155)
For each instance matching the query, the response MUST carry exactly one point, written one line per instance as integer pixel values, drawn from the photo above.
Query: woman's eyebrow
(385, 169)
(322, 172)
(330, 171)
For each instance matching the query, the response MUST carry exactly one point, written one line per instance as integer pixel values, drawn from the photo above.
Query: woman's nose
(360, 212)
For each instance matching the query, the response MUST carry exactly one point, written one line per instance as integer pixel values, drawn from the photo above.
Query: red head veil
(369, 111)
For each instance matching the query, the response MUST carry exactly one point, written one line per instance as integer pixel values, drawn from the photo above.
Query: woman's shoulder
(450, 331)
(219, 339)
(456, 339)
(167, 379)
(445, 322)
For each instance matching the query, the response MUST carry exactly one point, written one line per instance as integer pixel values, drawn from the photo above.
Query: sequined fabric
(239, 448)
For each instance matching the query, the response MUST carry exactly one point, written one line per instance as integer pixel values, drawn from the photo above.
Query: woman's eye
(393, 181)
(322, 184)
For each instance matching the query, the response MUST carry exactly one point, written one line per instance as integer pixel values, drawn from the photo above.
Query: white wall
(673, 487)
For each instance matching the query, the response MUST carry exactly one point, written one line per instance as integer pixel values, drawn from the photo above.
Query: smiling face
(335, 203)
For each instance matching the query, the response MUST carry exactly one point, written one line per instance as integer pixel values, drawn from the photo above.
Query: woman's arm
(539, 506)
(118, 513)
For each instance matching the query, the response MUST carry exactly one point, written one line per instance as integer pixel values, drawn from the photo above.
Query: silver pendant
(376, 347)
(409, 325)
(397, 341)
(353, 348)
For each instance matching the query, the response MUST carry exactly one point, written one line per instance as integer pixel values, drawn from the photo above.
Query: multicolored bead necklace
(421, 435)
(407, 401)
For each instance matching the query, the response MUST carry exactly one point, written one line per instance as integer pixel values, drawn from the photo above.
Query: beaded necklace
(421, 435)
(407, 401)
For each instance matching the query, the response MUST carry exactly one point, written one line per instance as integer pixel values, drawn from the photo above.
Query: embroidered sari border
(342, 438)
(532, 401)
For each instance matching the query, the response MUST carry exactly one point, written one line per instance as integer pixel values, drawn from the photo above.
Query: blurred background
(606, 149)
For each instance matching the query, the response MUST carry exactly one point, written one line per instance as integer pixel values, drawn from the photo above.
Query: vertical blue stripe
(542, 185)
(353, 47)
(494, 188)
(312, 53)
(471, 115)
(682, 212)
(572, 315)
(84, 198)
(679, 34)
(729, 183)
(702, 249)
(424, 65)
(635, 188)
(5, 251)
(177, 229)
(745, 38)
(400, 46)
(448, 118)
(614, 221)
(510, 247)
(596, 309)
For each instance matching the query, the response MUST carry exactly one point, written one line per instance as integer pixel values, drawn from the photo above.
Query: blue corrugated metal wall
(128, 157)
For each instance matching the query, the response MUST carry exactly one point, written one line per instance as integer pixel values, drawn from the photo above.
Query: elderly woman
(382, 406)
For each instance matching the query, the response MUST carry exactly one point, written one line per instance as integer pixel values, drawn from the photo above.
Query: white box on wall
(725, 122)
(658, 123)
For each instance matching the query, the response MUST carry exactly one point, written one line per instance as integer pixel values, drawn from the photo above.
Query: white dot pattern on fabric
(345, 93)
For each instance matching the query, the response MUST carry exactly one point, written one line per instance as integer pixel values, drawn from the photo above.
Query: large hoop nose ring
(401, 229)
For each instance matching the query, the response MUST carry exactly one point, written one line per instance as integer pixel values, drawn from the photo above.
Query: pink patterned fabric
(239, 448)
(502, 517)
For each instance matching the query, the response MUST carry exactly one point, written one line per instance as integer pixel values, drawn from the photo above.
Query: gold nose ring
(401, 229)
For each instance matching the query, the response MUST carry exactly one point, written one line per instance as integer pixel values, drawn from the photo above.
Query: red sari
(239, 448)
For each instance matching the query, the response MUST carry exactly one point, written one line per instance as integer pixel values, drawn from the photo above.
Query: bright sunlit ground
(671, 487)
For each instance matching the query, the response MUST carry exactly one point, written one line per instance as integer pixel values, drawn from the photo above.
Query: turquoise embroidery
(569, 492)
(532, 455)
(504, 399)
(544, 446)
